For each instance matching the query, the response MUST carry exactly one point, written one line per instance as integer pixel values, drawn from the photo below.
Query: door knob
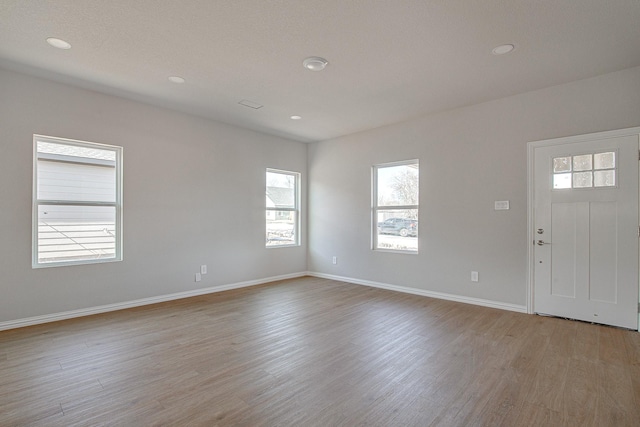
(540, 243)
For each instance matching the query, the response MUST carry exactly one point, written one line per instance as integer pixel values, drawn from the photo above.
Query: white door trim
(531, 147)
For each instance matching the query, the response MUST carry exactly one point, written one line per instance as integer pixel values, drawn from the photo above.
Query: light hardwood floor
(314, 352)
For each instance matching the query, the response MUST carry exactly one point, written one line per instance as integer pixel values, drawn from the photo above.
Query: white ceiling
(389, 60)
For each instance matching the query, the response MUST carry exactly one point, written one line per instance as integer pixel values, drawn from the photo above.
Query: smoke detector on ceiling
(502, 49)
(315, 63)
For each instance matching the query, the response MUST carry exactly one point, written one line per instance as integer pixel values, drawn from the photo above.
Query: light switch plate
(501, 205)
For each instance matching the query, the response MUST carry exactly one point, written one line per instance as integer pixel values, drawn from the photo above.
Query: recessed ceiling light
(296, 117)
(176, 79)
(502, 49)
(315, 63)
(59, 43)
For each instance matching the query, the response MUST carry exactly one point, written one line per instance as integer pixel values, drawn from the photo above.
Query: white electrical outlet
(203, 269)
(474, 276)
(198, 277)
(335, 260)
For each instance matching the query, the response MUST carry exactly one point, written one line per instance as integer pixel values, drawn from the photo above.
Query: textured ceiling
(389, 61)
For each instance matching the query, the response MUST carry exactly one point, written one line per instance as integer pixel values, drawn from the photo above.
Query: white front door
(586, 230)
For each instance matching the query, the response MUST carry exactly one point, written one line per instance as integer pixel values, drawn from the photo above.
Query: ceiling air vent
(250, 104)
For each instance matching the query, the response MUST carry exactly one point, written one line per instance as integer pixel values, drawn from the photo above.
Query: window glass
(398, 185)
(585, 171)
(605, 178)
(562, 180)
(395, 210)
(582, 180)
(582, 163)
(562, 164)
(70, 233)
(605, 160)
(77, 202)
(282, 208)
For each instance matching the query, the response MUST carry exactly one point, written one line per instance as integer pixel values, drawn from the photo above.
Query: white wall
(469, 158)
(193, 194)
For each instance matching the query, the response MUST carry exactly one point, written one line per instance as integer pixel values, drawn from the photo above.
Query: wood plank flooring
(315, 352)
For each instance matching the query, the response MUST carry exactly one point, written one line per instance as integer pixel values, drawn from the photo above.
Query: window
(395, 206)
(77, 202)
(585, 171)
(282, 208)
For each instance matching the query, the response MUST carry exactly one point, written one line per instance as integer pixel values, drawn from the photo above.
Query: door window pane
(605, 178)
(562, 180)
(604, 160)
(562, 164)
(582, 180)
(582, 163)
(584, 171)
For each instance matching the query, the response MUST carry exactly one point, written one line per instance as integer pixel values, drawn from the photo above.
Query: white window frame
(375, 207)
(295, 209)
(117, 204)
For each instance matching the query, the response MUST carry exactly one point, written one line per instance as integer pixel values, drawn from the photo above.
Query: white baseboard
(30, 321)
(36, 320)
(432, 294)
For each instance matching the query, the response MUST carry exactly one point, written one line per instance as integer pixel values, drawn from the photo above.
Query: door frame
(531, 147)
